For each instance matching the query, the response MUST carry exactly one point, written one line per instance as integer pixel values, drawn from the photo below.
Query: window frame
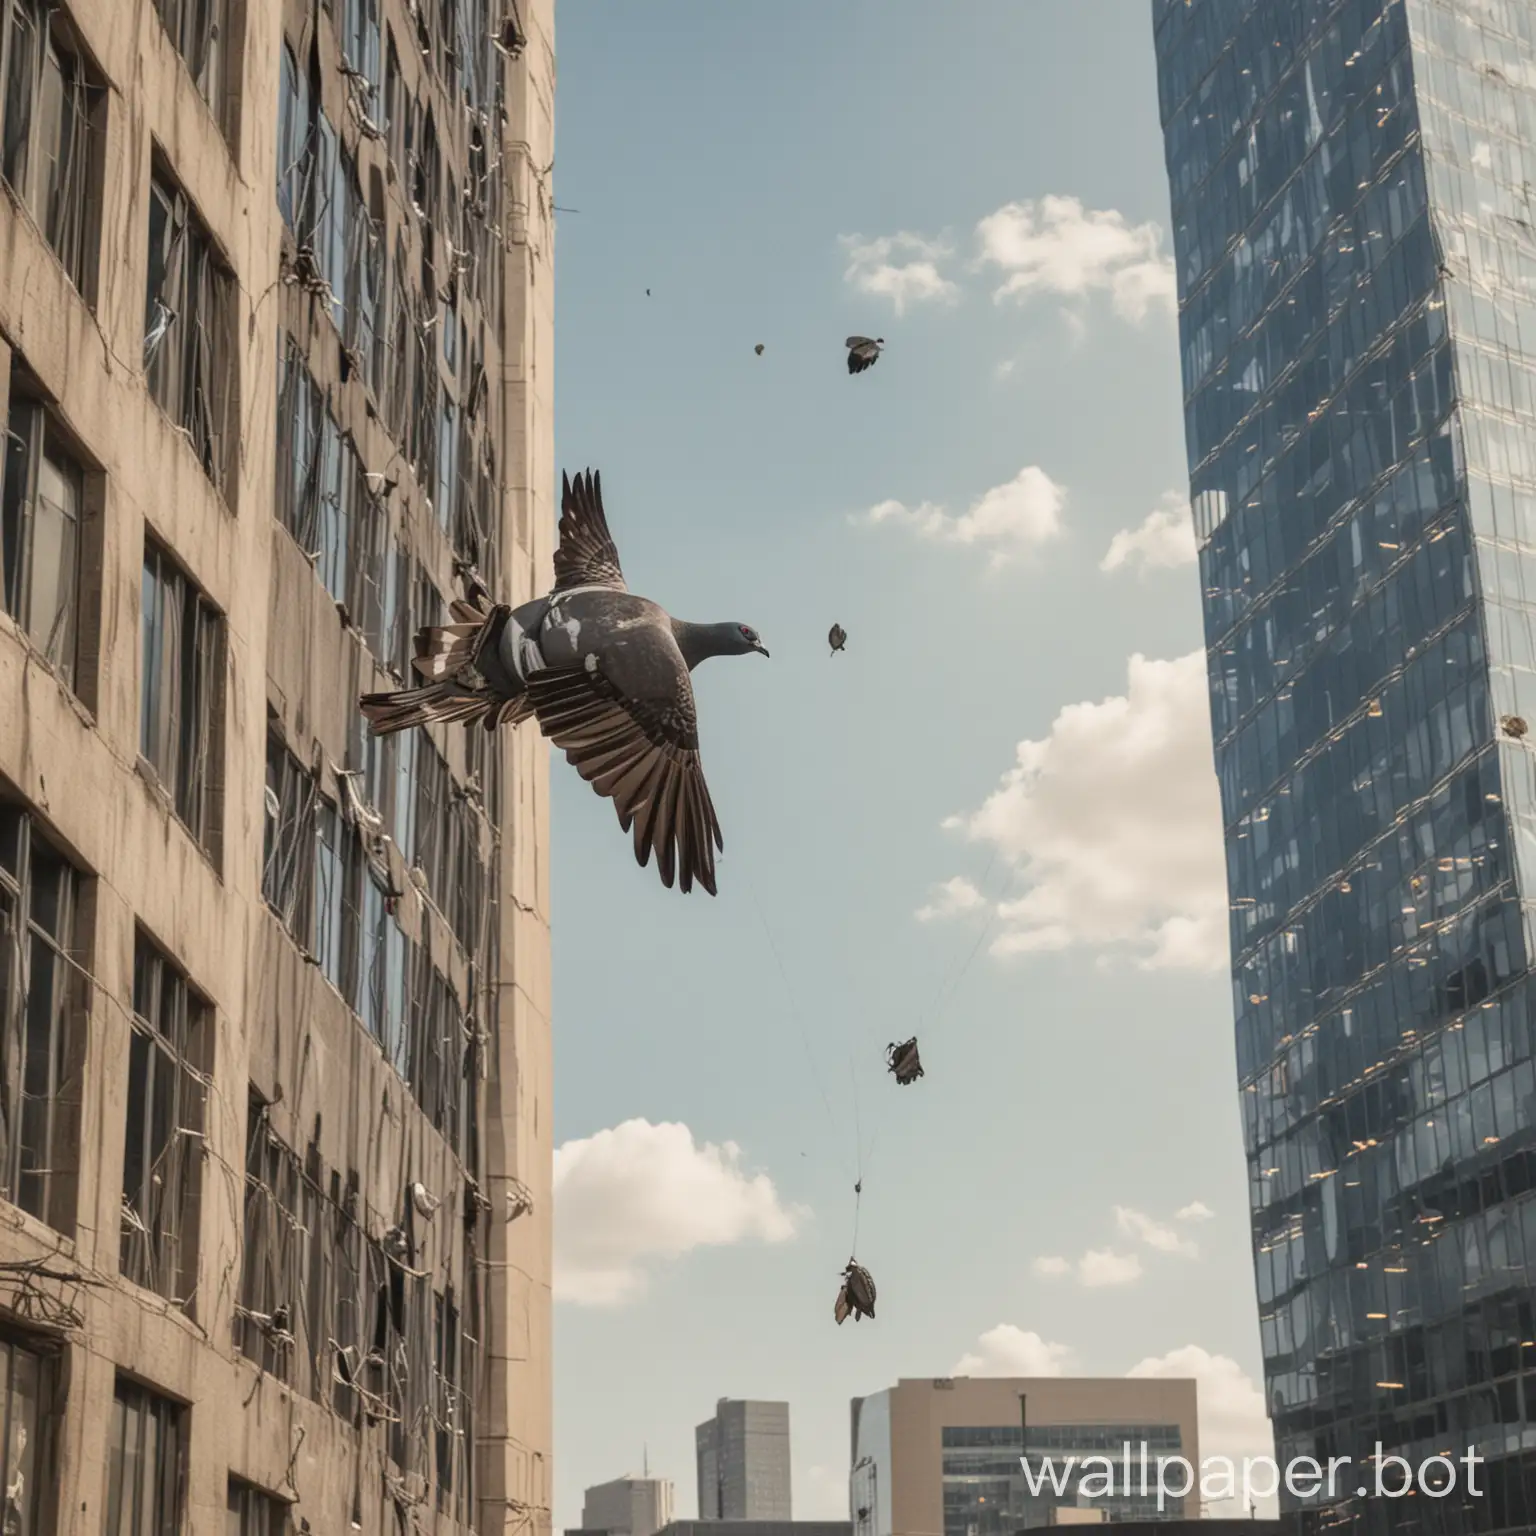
(198, 628)
(75, 246)
(45, 1189)
(185, 1052)
(169, 1417)
(34, 443)
(190, 355)
(212, 74)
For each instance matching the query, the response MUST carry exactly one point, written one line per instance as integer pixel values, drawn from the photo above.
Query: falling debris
(862, 352)
(1513, 726)
(425, 1202)
(606, 674)
(903, 1062)
(837, 638)
(758, 349)
(856, 1295)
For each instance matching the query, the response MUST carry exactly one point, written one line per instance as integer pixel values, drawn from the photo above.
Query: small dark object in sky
(903, 1062)
(758, 349)
(837, 638)
(647, 293)
(862, 352)
(856, 1295)
(1514, 726)
(606, 674)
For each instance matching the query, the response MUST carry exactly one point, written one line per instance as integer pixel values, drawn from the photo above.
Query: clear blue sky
(716, 154)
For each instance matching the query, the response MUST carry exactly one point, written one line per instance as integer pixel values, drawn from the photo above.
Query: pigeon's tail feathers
(437, 703)
(442, 650)
(445, 650)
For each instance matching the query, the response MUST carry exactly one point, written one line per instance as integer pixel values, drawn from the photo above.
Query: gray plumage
(862, 352)
(837, 638)
(903, 1062)
(856, 1295)
(605, 673)
(758, 349)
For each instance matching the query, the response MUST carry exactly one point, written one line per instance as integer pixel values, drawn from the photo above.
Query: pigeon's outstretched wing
(586, 556)
(862, 352)
(643, 754)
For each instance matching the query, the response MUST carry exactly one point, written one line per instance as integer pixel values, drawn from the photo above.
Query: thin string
(799, 1015)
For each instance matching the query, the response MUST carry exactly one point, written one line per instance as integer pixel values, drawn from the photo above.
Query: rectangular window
(338, 472)
(254, 1513)
(162, 1160)
(301, 415)
(31, 1410)
(290, 808)
(330, 909)
(181, 694)
(294, 142)
(40, 521)
(360, 48)
(371, 559)
(42, 1010)
(146, 1463)
(282, 1269)
(53, 107)
(201, 32)
(189, 349)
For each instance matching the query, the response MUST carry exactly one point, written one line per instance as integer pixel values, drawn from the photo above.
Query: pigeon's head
(745, 640)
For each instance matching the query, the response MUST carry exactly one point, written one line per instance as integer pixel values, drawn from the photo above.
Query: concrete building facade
(941, 1457)
(275, 349)
(628, 1506)
(743, 1462)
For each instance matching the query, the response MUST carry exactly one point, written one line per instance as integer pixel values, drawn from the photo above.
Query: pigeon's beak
(760, 648)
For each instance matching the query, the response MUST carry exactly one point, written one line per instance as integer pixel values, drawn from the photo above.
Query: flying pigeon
(837, 638)
(903, 1062)
(856, 1295)
(603, 671)
(647, 293)
(862, 352)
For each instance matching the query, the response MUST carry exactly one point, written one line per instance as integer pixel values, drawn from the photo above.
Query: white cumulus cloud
(1163, 540)
(1052, 1266)
(1155, 1234)
(1009, 1351)
(1103, 1266)
(1009, 520)
(638, 1193)
(1114, 821)
(1196, 1210)
(902, 268)
(1232, 1418)
(951, 898)
(1057, 246)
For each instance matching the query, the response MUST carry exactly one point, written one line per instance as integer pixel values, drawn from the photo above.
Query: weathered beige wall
(278, 1024)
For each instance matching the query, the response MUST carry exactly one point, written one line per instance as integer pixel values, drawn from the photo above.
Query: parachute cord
(794, 1004)
(952, 988)
(950, 973)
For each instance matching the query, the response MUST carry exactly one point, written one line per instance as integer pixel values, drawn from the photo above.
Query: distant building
(743, 1455)
(757, 1528)
(628, 1506)
(1227, 1526)
(943, 1456)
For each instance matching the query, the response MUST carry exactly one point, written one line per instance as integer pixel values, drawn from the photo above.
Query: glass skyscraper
(1353, 192)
